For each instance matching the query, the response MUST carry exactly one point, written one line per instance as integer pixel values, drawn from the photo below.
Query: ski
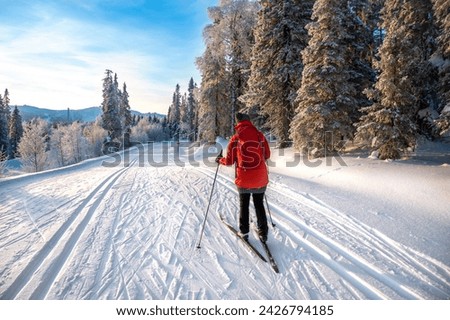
(272, 262)
(246, 242)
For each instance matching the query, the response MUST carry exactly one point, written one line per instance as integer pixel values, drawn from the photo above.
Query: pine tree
(419, 19)
(361, 49)
(6, 101)
(326, 98)
(389, 124)
(110, 107)
(174, 114)
(442, 56)
(214, 93)
(183, 116)
(15, 131)
(276, 64)
(4, 117)
(237, 25)
(192, 111)
(125, 116)
(371, 16)
(224, 66)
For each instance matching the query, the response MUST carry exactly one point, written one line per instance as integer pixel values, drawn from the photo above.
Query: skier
(248, 149)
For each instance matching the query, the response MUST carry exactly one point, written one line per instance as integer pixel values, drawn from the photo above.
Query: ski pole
(265, 197)
(268, 209)
(209, 203)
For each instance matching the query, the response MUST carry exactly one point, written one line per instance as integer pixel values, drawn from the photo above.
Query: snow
(346, 228)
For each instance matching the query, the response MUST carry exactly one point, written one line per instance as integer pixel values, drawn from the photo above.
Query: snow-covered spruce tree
(125, 116)
(174, 114)
(224, 66)
(213, 95)
(276, 64)
(371, 16)
(191, 111)
(237, 25)
(110, 107)
(183, 117)
(362, 50)
(3, 163)
(326, 98)
(4, 117)
(418, 17)
(196, 123)
(6, 101)
(15, 131)
(442, 59)
(164, 128)
(33, 145)
(389, 124)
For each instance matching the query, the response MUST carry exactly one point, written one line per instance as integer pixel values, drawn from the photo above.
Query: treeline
(41, 145)
(45, 145)
(320, 74)
(121, 126)
(182, 116)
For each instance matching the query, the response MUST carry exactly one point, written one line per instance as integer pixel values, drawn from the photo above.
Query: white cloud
(57, 60)
(61, 64)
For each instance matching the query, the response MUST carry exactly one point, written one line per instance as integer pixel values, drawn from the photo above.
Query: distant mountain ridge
(68, 115)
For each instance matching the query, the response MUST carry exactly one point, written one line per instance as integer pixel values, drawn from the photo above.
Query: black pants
(258, 201)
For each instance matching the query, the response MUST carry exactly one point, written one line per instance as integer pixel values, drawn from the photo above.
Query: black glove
(220, 156)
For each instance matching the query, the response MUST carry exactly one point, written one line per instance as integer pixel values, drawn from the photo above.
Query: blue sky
(53, 54)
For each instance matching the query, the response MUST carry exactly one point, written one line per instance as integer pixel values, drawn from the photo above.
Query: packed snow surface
(127, 227)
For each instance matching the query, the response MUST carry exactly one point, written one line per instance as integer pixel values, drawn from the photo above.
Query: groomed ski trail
(130, 232)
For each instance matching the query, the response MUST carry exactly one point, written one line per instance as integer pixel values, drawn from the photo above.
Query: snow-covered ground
(355, 228)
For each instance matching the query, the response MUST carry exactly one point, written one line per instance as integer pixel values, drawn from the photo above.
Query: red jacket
(249, 150)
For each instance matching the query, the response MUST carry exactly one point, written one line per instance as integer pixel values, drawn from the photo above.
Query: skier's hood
(243, 125)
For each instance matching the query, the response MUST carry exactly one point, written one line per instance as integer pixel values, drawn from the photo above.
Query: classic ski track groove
(394, 252)
(110, 249)
(54, 244)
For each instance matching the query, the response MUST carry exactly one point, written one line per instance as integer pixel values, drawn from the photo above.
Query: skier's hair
(242, 116)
